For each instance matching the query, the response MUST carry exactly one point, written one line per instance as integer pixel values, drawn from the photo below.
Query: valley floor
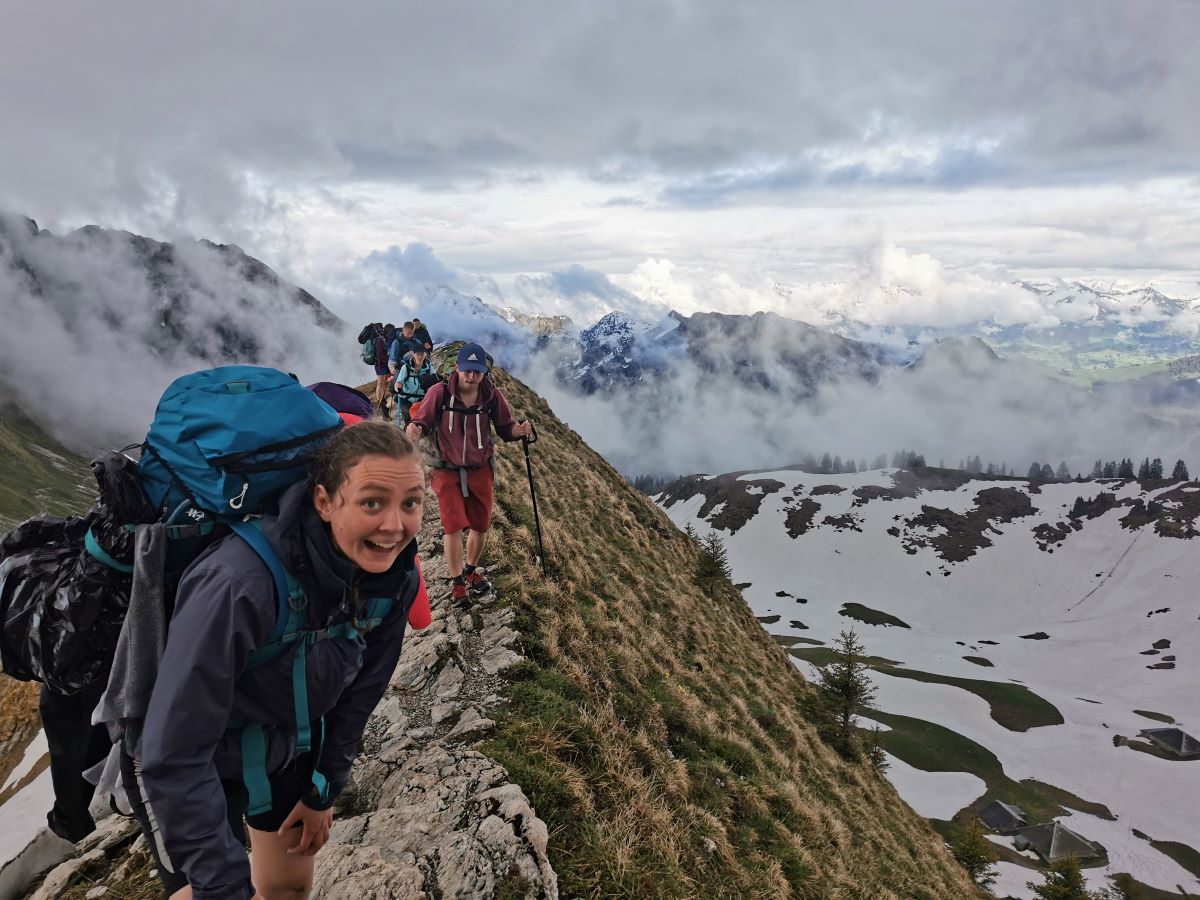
(1002, 653)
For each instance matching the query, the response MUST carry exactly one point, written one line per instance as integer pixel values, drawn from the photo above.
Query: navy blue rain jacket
(225, 608)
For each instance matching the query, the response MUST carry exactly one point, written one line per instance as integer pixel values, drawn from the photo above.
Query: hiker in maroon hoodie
(460, 414)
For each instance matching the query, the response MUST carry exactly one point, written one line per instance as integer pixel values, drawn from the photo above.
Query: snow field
(1097, 597)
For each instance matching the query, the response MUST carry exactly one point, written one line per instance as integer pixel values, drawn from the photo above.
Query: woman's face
(376, 511)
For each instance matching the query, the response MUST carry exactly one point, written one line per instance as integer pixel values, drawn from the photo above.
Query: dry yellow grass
(662, 735)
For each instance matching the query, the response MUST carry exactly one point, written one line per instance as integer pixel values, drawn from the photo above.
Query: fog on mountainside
(960, 400)
(98, 323)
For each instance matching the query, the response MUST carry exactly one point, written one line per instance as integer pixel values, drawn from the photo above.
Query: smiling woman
(346, 539)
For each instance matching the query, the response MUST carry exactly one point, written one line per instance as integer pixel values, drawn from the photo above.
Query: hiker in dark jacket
(403, 343)
(382, 373)
(375, 331)
(421, 333)
(460, 413)
(411, 377)
(347, 535)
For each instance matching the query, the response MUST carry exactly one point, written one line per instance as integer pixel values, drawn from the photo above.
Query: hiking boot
(459, 594)
(477, 583)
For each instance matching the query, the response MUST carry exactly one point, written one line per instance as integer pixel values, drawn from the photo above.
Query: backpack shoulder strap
(289, 595)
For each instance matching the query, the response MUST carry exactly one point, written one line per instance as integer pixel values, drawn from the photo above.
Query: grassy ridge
(661, 734)
(37, 474)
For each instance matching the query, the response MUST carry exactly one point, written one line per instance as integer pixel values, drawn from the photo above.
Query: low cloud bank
(85, 348)
(952, 406)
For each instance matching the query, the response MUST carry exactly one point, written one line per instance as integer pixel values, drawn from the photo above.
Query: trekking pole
(537, 521)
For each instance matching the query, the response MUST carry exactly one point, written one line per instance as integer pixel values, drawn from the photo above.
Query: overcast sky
(579, 157)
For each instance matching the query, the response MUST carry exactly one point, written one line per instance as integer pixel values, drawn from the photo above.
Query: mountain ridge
(659, 735)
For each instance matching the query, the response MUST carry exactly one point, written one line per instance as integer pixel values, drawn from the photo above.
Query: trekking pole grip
(533, 435)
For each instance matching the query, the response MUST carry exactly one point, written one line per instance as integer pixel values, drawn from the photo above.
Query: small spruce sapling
(847, 691)
(713, 563)
(974, 852)
(1063, 880)
(873, 750)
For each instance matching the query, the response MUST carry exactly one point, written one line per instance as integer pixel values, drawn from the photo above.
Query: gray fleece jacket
(226, 608)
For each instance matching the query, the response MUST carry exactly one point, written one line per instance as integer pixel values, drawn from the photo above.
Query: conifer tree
(1035, 471)
(847, 690)
(1063, 881)
(1047, 472)
(1110, 469)
(1143, 470)
(1180, 472)
(862, 464)
(991, 469)
(974, 852)
(690, 531)
(1098, 469)
(713, 563)
(826, 464)
(880, 462)
(836, 466)
(873, 750)
(1125, 469)
(1156, 468)
(1063, 473)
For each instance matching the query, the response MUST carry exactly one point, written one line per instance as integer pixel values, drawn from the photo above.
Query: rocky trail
(426, 815)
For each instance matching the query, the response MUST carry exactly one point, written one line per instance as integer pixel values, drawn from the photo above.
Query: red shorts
(459, 512)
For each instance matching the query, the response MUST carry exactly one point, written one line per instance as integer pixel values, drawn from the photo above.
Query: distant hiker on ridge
(378, 351)
(402, 344)
(421, 333)
(459, 413)
(412, 376)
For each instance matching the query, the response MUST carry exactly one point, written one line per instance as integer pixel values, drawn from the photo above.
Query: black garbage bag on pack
(62, 603)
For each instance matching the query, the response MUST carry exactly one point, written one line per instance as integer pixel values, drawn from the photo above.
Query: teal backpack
(368, 351)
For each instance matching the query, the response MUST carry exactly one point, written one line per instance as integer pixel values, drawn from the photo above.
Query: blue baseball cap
(471, 358)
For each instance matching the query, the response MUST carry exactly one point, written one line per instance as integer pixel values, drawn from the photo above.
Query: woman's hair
(348, 447)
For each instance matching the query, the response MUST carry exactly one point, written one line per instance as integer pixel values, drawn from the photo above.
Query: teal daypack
(368, 351)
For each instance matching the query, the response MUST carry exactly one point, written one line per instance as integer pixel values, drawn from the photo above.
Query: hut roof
(1054, 840)
(1003, 817)
(1176, 740)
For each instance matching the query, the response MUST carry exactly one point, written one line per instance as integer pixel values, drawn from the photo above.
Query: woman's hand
(316, 824)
